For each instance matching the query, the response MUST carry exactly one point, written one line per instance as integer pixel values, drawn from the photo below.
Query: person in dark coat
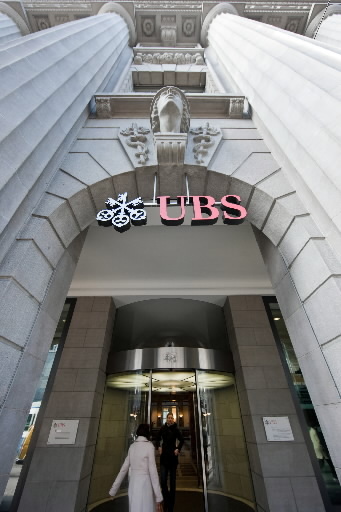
(169, 434)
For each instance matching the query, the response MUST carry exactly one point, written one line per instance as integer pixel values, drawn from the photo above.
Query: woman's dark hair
(143, 430)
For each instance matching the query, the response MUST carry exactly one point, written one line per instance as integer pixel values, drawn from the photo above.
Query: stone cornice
(202, 106)
(289, 15)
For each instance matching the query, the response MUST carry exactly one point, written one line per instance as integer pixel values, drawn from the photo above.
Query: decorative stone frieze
(168, 35)
(148, 25)
(168, 58)
(61, 18)
(42, 22)
(168, 30)
(188, 27)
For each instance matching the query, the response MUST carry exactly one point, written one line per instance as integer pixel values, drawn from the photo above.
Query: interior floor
(185, 501)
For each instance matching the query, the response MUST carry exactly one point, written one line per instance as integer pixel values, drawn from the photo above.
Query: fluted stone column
(47, 82)
(12, 26)
(292, 84)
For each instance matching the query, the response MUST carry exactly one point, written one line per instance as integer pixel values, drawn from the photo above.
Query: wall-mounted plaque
(278, 428)
(63, 432)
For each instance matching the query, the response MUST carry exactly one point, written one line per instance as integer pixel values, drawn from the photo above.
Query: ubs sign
(122, 213)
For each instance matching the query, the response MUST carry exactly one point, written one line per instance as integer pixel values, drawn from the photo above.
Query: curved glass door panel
(213, 470)
(125, 405)
(226, 468)
(175, 392)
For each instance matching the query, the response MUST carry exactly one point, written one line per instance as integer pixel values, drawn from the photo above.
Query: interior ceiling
(198, 262)
(170, 382)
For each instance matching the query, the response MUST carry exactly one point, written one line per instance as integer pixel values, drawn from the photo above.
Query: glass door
(126, 404)
(174, 393)
(212, 474)
(226, 475)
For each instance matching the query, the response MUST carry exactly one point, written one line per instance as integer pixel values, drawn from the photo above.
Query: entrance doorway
(175, 392)
(213, 470)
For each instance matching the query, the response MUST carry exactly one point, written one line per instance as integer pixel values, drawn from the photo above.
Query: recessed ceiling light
(277, 318)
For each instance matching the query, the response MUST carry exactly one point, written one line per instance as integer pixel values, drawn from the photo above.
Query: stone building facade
(261, 85)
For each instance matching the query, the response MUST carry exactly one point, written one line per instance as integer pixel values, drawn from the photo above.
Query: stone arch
(217, 9)
(50, 244)
(112, 7)
(15, 17)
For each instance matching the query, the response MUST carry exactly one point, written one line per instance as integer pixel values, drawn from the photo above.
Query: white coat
(144, 487)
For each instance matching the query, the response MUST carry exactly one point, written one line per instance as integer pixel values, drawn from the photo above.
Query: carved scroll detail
(136, 138)
(203, 140)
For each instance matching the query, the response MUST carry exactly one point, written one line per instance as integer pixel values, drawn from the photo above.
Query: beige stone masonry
(59, 475)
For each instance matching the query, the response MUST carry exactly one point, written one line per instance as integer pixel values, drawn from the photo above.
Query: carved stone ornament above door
(170, 118)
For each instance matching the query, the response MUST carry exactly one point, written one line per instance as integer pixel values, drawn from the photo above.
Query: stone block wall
(282, 472)
(59, 475)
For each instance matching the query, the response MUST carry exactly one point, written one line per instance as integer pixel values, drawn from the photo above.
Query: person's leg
(172, 485)
(164, 485)
(331, 467)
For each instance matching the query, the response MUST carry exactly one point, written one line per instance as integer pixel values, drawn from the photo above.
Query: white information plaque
(278, 428)
(63, 432)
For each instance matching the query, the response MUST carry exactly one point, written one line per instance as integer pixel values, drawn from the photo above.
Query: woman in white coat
(144, 490)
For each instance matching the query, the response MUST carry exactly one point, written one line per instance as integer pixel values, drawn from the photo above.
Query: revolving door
(213, 470)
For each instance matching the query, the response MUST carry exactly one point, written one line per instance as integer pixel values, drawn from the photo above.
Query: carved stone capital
(322, 16)
(217, 9)
(18, 20)
(121, 11)
(170, 148)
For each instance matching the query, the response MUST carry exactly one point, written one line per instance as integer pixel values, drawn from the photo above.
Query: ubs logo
(122, 213)
(206, 211)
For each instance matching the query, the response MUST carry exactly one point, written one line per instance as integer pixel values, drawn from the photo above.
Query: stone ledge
(202, 106)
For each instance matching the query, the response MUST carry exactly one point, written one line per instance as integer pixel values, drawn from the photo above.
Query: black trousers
(168, 467)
